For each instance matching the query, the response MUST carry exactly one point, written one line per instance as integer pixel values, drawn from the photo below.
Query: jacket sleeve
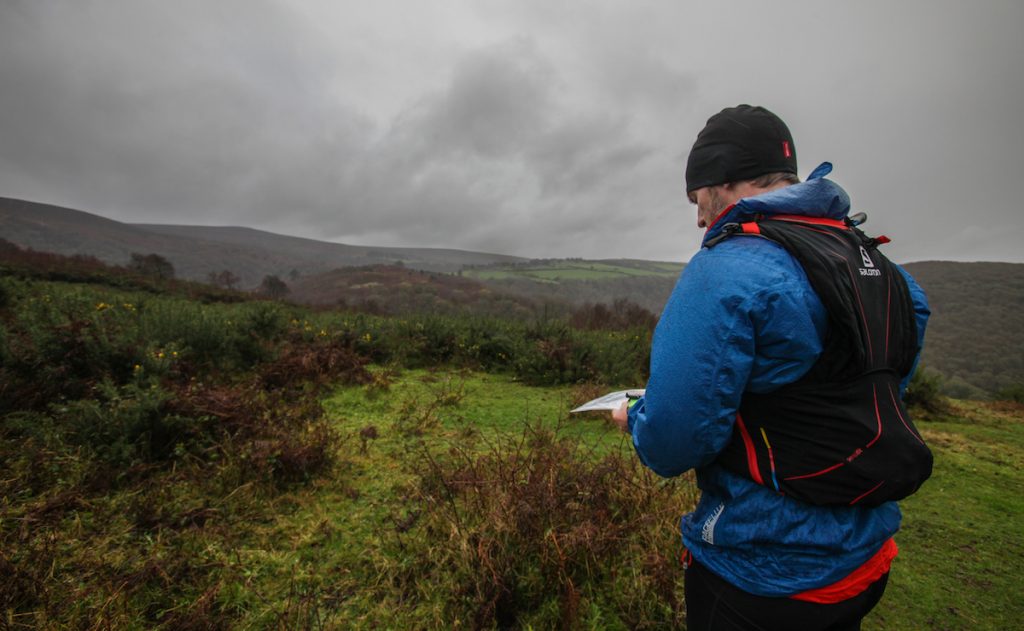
(921, 313)
(738, 319)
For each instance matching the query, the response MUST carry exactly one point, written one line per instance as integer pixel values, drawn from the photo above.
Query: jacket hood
(816, 197)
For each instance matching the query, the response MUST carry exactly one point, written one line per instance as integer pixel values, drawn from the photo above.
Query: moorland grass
(169, 464)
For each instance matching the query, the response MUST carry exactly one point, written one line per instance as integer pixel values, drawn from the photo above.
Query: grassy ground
(356, 549)
(348, 551)
(962, 542)
(422, 413)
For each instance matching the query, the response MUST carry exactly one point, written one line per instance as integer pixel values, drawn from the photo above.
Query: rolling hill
(977, 324)
(196, 251)
(395, 290)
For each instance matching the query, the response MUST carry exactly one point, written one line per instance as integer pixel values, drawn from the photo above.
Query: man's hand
(621, 416)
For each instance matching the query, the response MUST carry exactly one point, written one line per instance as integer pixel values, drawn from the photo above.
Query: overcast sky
(531, 127)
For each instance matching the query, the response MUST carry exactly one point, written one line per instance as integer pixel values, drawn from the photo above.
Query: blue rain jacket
(743, 317)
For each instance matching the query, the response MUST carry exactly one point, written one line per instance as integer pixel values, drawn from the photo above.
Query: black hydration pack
(840, 435)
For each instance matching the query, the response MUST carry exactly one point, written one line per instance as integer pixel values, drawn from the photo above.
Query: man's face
(710, 203)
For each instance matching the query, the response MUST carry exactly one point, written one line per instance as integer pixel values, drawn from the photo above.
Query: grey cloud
(492, 156)
(167, 114)
(520, 126)
(581, 154)
(182, 114)
(497, 104)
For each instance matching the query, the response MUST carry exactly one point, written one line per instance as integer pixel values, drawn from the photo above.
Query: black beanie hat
(740, 143)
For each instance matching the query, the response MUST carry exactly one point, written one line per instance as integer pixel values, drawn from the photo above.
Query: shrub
(490, 345)
(5, 295)
(273, 287)
(129, 425)
(550, 355)
(1013, 393)
(622, 315)
(539, 533)
(151, 265)
(925, 392)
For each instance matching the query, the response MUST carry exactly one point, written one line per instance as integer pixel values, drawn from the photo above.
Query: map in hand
(610, 401)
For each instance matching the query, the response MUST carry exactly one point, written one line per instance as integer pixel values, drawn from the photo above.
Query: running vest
(840, 435)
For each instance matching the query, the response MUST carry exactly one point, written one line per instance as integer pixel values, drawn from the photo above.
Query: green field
(570, 270)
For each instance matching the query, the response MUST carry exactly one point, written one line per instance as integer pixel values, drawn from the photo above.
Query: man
(773, 358)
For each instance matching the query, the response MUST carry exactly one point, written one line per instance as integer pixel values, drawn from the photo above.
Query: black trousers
(713, 604)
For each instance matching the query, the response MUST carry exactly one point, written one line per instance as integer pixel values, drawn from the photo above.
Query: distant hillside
(558, 270)
(196, 251)
(974, 337)
(398, 290)
(325, 254)
(646, 283)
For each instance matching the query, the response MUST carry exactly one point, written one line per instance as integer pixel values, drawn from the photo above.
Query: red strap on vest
(820, 221)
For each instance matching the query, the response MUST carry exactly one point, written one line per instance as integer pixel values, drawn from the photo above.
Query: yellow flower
(101, 306)
(136, 367)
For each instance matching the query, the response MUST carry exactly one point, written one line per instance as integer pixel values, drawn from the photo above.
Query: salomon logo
(707, 533)
(869, 266)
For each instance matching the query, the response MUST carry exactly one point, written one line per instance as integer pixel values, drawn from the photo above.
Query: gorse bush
(127, 425)
(63, 342)
(545, 352)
